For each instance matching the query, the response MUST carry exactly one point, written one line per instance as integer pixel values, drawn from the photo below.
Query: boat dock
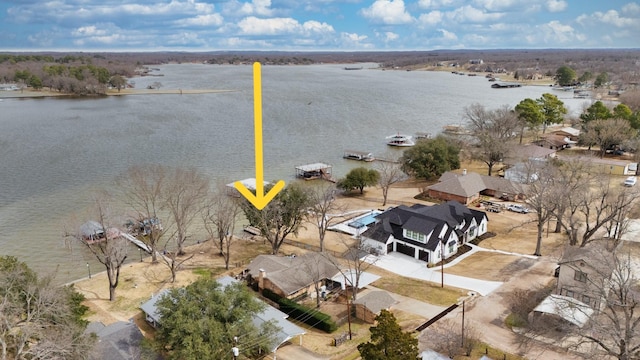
(358, 155)
(315, 171)
(136, 242)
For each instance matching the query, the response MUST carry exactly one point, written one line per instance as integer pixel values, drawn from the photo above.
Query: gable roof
(525, 152)
(292, 273)
(429, 220)
(470, 184)
(118, 341)
(568, 130)
(287, 330)
(376, 300)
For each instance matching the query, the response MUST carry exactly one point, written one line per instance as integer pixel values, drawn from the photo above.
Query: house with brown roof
(427, 233)
(467, 187)
(367, 307)
(528, 152)
(554, 142)
(568, 132)
(291, 276)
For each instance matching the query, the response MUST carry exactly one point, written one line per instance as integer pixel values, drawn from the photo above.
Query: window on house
(586, 299)
(450, 246)
(568, 293)
(580, 276)
(415, 236)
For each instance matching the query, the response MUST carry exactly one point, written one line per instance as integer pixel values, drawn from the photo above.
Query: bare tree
(584, 202)
(38, 319)
(493, 131)
(607, 133)
(103, 239)
(325, 210)
(390, 173)
(539, 193)
(220, 216)
(172, 261)
(614, 327)
(186, 191)
(354, 263)
(143, 189)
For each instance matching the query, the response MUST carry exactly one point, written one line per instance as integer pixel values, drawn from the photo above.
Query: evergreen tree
(431, 158)
(359, 178)
(388, 341)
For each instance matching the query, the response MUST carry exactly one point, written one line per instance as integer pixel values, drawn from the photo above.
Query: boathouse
(249, 183)
(314, 171)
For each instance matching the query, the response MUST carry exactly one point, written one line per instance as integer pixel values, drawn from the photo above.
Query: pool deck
(345, 228)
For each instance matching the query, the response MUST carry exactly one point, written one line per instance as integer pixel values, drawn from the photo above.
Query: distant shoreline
(29, 94)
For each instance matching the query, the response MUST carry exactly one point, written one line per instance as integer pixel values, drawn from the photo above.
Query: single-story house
(568, 132)
(117, 341)
(291, 276)
(369, 306)
(287, 331)
(467, 187)
(528, 152)
(609, 166)
(554, 142)
(427, 233)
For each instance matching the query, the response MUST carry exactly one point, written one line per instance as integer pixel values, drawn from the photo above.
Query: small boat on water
(422, 136)
(400, 140)
(358, 155)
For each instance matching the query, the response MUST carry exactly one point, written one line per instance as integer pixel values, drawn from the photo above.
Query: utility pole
(462, 337)
(349, 313)
(442, 264)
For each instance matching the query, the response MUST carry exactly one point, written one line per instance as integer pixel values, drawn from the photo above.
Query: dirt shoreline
(28, 94)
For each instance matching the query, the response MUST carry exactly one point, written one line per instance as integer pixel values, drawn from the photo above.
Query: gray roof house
(118, 341)
(287, 331)
(427, 233)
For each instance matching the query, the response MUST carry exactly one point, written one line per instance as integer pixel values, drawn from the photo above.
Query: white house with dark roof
(427, 233)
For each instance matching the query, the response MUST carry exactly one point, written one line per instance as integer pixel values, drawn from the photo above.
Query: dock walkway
(136, 242)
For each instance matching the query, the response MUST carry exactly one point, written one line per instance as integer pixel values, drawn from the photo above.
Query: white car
(630, 181)
(517, 208)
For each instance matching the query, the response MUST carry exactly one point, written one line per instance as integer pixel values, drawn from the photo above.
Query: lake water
(57, 152)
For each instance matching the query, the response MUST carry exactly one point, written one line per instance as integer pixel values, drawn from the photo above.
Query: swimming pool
(365, 220)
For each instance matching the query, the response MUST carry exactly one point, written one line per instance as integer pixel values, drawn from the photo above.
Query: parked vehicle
(494, 208)
(517, 208)
(630, 181)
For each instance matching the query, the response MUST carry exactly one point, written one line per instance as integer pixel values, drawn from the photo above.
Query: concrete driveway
(295, 352)
(407, 266)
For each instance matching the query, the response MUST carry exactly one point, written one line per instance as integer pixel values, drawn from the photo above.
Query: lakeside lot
(514, 233)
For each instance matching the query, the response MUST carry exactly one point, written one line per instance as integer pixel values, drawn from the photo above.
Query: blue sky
(316, 25)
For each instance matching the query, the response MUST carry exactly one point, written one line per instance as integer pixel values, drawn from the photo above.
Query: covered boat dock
(315, 171)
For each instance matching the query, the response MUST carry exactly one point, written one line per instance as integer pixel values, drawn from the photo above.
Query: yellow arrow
(259, 200)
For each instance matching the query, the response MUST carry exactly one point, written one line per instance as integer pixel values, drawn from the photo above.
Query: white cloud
(354, 41)
(312, 26)
(388, 12)
(436, 4)
(471, 14)
(280, 26)
(447, 35)
(274, 26)
(556, 33)
(202, 20)
(556, 5)
(387, 36)
(611, 18)
(431, 18)
(631, 9)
